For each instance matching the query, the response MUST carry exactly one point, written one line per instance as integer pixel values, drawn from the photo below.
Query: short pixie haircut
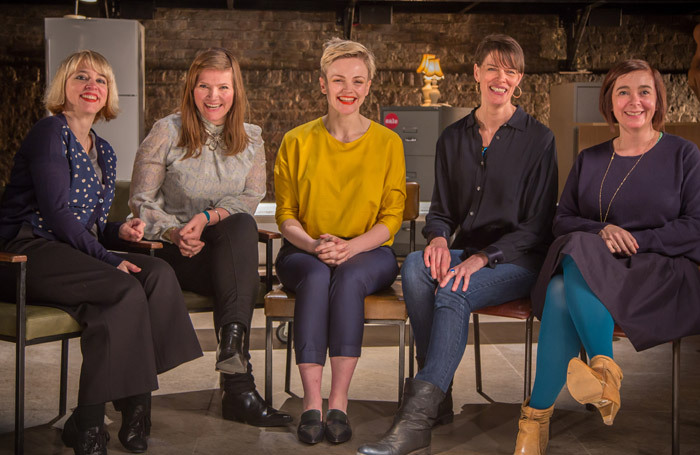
(605, 102)
(506, 52)
(337, 48)
(55, 99)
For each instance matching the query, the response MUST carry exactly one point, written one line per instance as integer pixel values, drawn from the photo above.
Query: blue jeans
(440, 317)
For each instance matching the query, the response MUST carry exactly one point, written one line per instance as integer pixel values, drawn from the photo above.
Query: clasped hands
(437, 256)
(332, 250)
(188, 237)
(618, 240)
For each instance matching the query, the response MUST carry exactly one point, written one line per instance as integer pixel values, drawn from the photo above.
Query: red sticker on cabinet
(391, 120)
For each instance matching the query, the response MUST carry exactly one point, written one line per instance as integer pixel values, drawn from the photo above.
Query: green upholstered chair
(26, 325)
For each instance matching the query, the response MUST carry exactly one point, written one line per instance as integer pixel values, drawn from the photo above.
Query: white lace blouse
(167, 191)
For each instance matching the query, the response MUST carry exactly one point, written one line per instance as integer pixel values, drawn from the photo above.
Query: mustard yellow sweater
(340, 188)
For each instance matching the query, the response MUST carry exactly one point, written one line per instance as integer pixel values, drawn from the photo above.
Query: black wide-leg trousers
(135, 326)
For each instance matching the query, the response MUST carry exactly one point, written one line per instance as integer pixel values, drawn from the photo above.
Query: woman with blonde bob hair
(198, 178)
(340, 190)
(626, 252)
(130, 307)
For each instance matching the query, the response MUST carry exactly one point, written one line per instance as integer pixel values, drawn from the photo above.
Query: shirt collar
(517, 120)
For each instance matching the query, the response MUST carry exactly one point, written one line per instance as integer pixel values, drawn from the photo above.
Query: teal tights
(572, 316)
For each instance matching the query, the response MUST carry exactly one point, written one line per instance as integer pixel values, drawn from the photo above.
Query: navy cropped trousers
(329, 313)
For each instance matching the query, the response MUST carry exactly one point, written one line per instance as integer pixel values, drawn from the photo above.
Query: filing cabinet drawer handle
(410, 139)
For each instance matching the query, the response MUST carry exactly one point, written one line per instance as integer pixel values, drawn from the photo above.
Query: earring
(476, 84)
(519, 94)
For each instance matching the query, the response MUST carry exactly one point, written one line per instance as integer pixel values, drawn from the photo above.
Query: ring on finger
(453, 271)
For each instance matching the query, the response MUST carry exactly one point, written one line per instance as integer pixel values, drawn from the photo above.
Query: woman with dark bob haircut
(130, 307)
(627, 249)
(198, 178)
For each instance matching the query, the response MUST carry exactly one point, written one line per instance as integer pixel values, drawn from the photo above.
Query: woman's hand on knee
(437, 256)
(128, 267)
(463, 272)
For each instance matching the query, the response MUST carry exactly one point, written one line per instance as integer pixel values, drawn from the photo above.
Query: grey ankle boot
(410, 432)
(445, 414)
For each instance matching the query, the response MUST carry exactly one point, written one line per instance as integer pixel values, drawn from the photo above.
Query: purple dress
(654, 295)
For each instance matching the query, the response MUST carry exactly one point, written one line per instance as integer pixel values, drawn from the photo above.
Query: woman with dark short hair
(627, 252)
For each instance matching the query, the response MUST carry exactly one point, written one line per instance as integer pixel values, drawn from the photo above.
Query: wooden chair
(517, 309)
(386, 308)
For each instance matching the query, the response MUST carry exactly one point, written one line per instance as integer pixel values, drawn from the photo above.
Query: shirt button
(478, 188)
(100, 200)
(471, 213)
(482, 162)
(498, 137)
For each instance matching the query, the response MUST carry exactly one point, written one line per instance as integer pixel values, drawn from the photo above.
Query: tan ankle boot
(598, 384)
(533, 430)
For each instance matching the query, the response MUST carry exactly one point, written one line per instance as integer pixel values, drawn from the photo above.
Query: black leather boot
(92, 441)
(136, 412)
(410, 432)
(250, 408)
(229, 354)
(446, 412)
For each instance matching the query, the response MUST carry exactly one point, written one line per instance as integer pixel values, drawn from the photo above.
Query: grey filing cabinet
(419, 128)
(570, 104)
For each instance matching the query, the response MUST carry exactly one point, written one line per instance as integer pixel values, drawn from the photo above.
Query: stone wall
(279, 53)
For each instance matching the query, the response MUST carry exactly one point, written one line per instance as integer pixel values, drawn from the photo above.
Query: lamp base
(427, 88)
(434, 93)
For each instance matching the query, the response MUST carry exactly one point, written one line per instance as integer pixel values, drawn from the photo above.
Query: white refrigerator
(121, 41)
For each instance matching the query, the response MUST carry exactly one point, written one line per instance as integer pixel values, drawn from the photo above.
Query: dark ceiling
(561, 7)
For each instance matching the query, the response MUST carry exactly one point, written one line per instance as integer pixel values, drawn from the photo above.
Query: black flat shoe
(229, 354)
(337, 426)
(250, 408)
(132, 433)
(311, 427)
(92, 441)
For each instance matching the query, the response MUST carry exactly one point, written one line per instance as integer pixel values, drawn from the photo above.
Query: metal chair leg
(477, 352)
(402, 357)
(19, 357)
(411, 352)
(528, 357)
(675, 410)
(268, 360)
(64, 379)
(288, 367)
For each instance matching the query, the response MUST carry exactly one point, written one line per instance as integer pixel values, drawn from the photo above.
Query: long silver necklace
(600, 193)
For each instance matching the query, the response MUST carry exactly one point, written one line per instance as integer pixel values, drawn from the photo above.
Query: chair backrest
(411, 209)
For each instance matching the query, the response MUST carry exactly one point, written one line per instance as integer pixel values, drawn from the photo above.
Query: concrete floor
(186, 409)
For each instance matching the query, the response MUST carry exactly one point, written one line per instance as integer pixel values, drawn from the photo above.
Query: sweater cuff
(494, 255)
(434, 234)
(113, 259)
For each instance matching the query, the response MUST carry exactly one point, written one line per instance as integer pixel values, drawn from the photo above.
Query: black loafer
(250, 408)
(311, 427)
(337, 426)
(92, 441)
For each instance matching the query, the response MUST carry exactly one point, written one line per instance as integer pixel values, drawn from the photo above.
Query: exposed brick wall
(279, 53)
